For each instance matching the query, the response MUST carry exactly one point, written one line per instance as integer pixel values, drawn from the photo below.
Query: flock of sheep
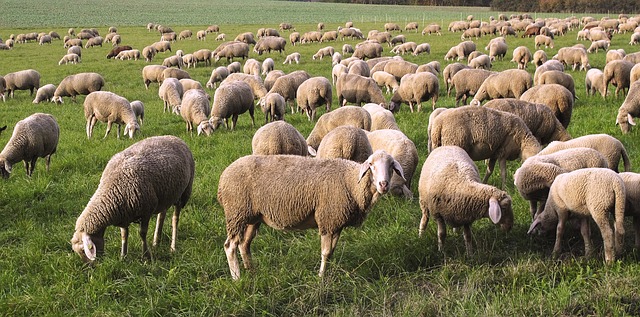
(360, 151)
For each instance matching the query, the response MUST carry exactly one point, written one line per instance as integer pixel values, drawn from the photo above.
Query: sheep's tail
(625, 159)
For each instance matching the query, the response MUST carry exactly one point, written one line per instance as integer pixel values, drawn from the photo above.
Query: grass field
(380, 269)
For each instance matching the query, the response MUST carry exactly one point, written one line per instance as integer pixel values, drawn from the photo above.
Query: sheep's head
(131, 128)
(500, 211)
(205, 127)
(86, 246)
(624, 119)
(382, 166)
(216, 122)
(5, 168)
(544, 222)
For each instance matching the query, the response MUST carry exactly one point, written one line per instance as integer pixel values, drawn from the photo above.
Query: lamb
(45, 93)
(325, 51)
(161, 176)
(287, 86)
(448, 73)
(485, 134)
(221, 37)
(422, 48)
(108, 107)
(33, 137)
(293, 57)
(345, 142)
(556, 97)
(586, 193)
(618, 73)
(217, 76)
(384, 79)
(611, 148)
(170, 92)
(312, 93)
(560, 78)
(467, 82)
(152, 74)
(358, 89)
(481, 62)
(510, 83)
(432, 28)
(267, 66)
(539, 58)
(148, 52)
(381, 118)
(521, 56)
(353, 189)
(535, 176)
(599, 45)
(28, 79)
(279, 138)
(403, 150)
(346, 115)
(630, 108)
(69, 58)
(273, 106)
(451, 192)
(195, 110)
(138, 109)
(416, 88)
(594, 82)
(78, 84)
(231, 99)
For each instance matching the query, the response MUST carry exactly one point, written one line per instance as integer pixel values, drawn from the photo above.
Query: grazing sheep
(411, 26)
(359, 67)
(416, 88)
(138, 109)
(232, 98)
(630, 108)
(329, 36)
(201, 35)
(168, 37)
(368, 50)
(188, 84)
(94, 41)
(158, 173)
(271, 78)
(312, 93)
(384, 79)
(273, 106)
(560, 78)
(185, 34)
(293, 57)
(252, 67)
(448, 73)
(611, 148)
(481, 62)
(170, 92)
(33, 137)
(279, 138)
(287, 86)
(464, 49)
(618, 73)
(195, 110)
(573, 56)
(485, 133)
(108, 107)
(451, 192)
(336, 58)
(162, 46)
(497, 49)
(78, 84)
(325, 51)
(586, 193)
(28, 79)
(381, 118)
(347, 49)
(633, 57)
(217, 76)
(267, 66)
(510, 83)
(432, 28)
(353, 189)
(599, 45)
(535, 176)
(594, 82)
(547, 66)
(358, 89)
(521, 56)
(230, 51)
(69, 58)
(338, 70)
(149, 52)
(270, 43)
(556, 97)
(467, 82)
(347, 115)
(152, 74)
(172, 61)
(471, 32)
(345, 142)
(635, 38)
(214, 28)
(294, 37)
(539, 58)
(543, 40)
(398, 145)
(171, 72)
(254, 81)
(422, 48)
(45, 93)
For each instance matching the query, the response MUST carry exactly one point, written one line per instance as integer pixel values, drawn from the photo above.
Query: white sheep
(195, 110)
(69, 58)
(594, 82)
(414, 89)
(273, 106)
(632, 186)
(231, 99)
(217, 76)
(293, 57)
(271, 78)
(277, 138)
(170, 92)
(422, 48)
(630, 108)
(521, 56)
(381, 118)
(108, 107)
(451, 192)
(398, 145)
(28, 79)
(358, 89)
(611, 148)
(234, 67)
(138, 109)
(599, 45)
(287, 86)
(556, 97)
(152, 74)
(188, 84)
(510, 83)
(325, 51)
(45, 93)
(267, 66)
(386, 80)
(349, 189)
(346, 115)
(252, 67)
(590, 193)
(467, 82)
(312, 93)
(78, 84)
(33, 137)
(158, 173)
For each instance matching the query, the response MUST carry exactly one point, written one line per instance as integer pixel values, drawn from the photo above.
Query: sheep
(484, 133)
(325, 51)
(116, 40)
(633, 57)
(543, 40)
(221, 37)
(497, 49)
(558, 77)
(189, 60)
(381, 118)
(230, 51)
(467, 82)
(630, 108)
(556, 97)
(358, 89)
(510, 83)
(473, 55)
(252, 67)
(358, 190)
(586, 193)
(539, 58)
(78, 84)
(54, 35)
(214, 28)
(336, 58)
(411, 26)
(152, 73)
(329, 36)
(631, 185)
(254, 81)
(164, 29)
(94, 41)
(345, 142)
(294, 37)
(270, 43)
(172, 61)
(293, 57)
(535, 176)
(448, 74)
(471, 32)
(45, 39)
(481, 62)
(28, 79)
(312, 93)
(309, 37)
(267, 66)
(171, 72)
(45, 93)
(158, 172)
(451, 192)
(635, 38)
(201, 35)
(432, 28)
(573, 56)
(279, 138)
(170, 92)
(217, 76)
(611, 148)
(617, 73)
(195, 110)
(399, 68)
(422, 48)
(287, 86)
(521, 56)
(188, 84)
(231, 99)
(185, 34)
(347, 49)
(368, 50)
(346, 115)
(398, 145)
(162, 46)
(597, 45)
(338, 70)
(594, 82)
(69, 58)
(416, 88)
(359, 67)
(138, 109)
(271, 78)
(547, 66)
(408, 47)
(234, 67)
(148, 52)
(273, 106)
(634, 74)
(108, 107)
(398, 39)
(384, 79)
(168, 37)
(33, 137)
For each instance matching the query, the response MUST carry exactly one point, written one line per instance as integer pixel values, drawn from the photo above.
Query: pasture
(381, 268)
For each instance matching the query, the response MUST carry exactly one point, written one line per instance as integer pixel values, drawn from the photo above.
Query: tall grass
(382, 268)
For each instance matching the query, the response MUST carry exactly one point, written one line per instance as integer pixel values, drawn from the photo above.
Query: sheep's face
(382, 166)
(625, 121)
(131, 128)
(205, 127)
(5, 168)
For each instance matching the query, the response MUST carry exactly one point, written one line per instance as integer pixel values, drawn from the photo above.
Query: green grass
(382, 268)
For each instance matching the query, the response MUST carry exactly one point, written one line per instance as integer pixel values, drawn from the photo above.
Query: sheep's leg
(533, 207)
(89, 128)
(636, 227)
(468, 239)
(26, 167)
(423, 223)
(442, 233)
(230, 246)
(47, 161)
(144, 227)
(245, 245)
(562, 218)
(157, 234)
(601, 219)
(585, 231)
(108, 130)
(411, 106)
(32, 167)
(327, 244)
(234, 120)
(503, 171)
(490, 165)
(118, 130)
(174, 228)
(124, 238)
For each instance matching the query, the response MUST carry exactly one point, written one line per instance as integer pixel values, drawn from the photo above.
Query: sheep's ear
(495, 213)
(7, 167)
(630, 119)
(534, 225)
(364, 167)
(311, 151)
(89, 247)
(398, 169)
